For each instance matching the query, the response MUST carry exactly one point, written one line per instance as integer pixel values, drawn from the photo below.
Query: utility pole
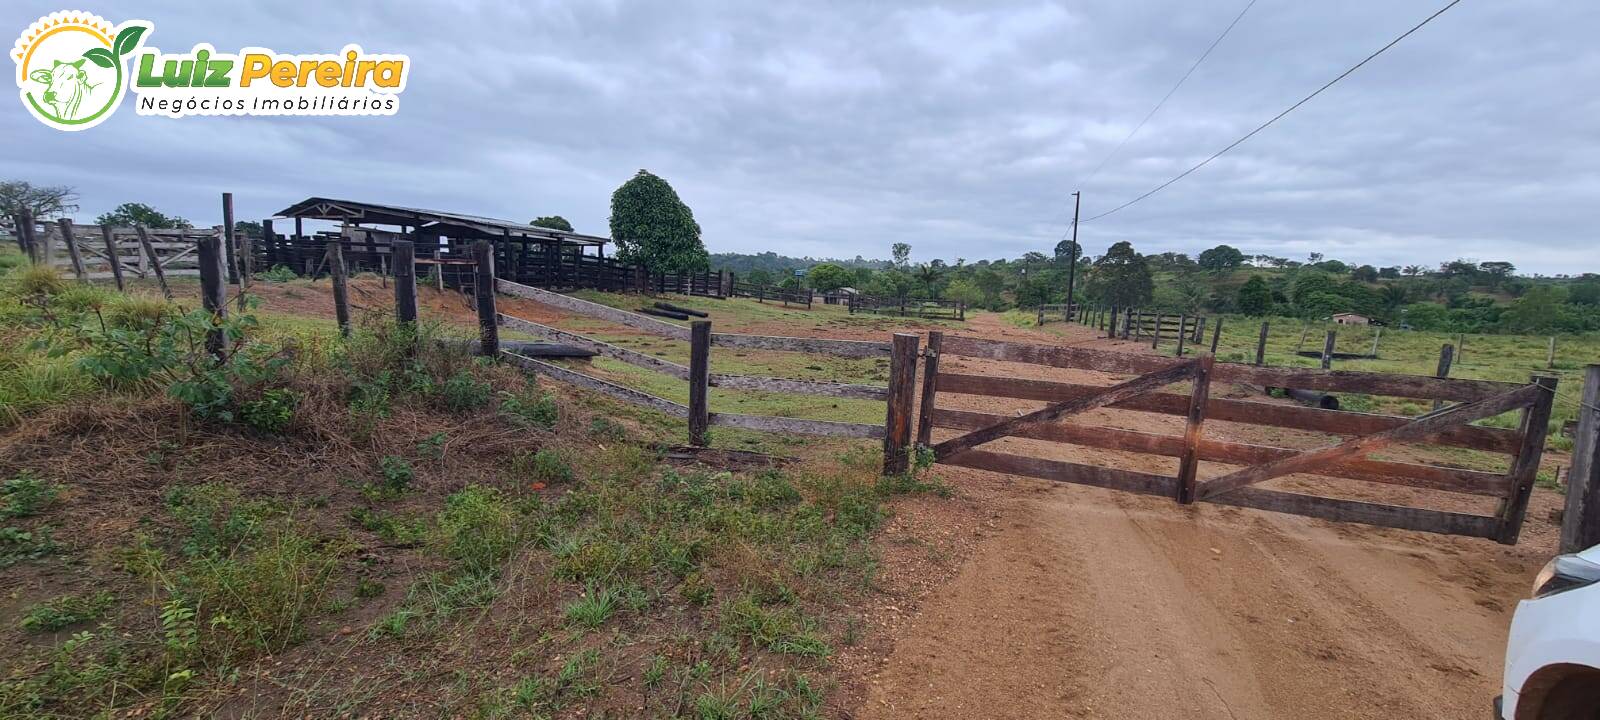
(1074, 252)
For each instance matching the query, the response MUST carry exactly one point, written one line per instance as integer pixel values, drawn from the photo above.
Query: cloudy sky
(836, 129)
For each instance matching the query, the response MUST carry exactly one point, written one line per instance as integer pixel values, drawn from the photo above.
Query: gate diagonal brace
(1421, 427)
(1114, 394)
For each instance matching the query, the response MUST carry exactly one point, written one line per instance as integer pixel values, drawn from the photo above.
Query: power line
(1279, 116)
(1168, 96)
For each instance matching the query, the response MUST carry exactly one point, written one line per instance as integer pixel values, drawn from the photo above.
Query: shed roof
(321, 208)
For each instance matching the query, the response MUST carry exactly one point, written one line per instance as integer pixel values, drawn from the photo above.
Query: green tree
(928, 274)
(1536, 311)
(1066, 250)
(651, 226)
(129, 214)
(901, 252)
(553, 222)
(828, 277)
(1255, 298)
(1121, 277)
(1220, 258)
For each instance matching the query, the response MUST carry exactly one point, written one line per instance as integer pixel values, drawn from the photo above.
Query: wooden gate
(1248, 465)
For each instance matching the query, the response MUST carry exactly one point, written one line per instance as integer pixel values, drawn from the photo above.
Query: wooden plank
(1339, 422)
(593, 309)
(405, 280)
(1068, 472)
(155, 262)
(230, 239)
(1419, 428)
(341, 294)
(71, 240)
(828, 428)
(1189, 463)
(615, 352)
(699, 381)
(799, 387)
(1525, 468)
(1393, 516)
(930, 388)
(603, 387)
(839, 348)
(1431, 477)
(1106, 396)
(483, 297)
(113, 256)
(1446, 355)
(1415, 386)
(898, 416)
(1580, 519)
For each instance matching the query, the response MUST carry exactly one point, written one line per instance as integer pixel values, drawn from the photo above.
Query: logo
(70, 69)
(73, 69)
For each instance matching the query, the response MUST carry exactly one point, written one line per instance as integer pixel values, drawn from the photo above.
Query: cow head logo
(70, 69)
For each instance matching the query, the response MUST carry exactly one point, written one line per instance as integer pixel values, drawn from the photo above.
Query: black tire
(1575, 698)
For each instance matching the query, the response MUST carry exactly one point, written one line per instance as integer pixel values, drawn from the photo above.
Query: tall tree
(1121, 277)
(1066, 250)
(132, 213)
(553, 222)
(651, 226)
(1221, 257)
(901, 253)
(827, 277)
(1255, 298)
(44, 201)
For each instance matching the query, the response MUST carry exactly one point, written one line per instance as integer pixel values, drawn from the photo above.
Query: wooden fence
(906, 307)
(762, 293)
(96, 252)
(1252, 464)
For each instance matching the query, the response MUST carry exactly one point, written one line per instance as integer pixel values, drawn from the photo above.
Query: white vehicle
(1553, 654)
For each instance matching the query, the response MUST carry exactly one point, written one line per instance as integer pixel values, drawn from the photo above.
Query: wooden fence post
(71, 240)
(1580, 520)
(1525, 468)
(902, 392)
(1261, 344)
(113, 254)
(155, 262)
(213, 292)
(1127, 320)
(341, 293)
(1155, 340)
(1446, 356)
(1189, 463)
(1550, 358)
(930, 374)
(21, 220)
(405, 280)
(483, 292)
(1183, 321)
(1376, 336)
(1461, 348)
(1216, 335)
(230, 239)
(1327, 349)
(699, 381)
(1200, 329)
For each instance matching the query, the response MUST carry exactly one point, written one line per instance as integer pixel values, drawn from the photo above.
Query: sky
(834, 129)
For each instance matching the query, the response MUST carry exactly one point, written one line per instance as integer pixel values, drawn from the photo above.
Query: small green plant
(18, 545)
(65, 611)
(217, 518)
(397, 473)
(537, 411)
(397, 531)
(463, 392)
(278, 274)
(548, 466)
(25, 494)
(594, 607)
(272, 412)
(432, 446)
(605, 429)
(478, 530)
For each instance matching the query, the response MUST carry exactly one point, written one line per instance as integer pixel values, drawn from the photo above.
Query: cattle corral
(1080, 406)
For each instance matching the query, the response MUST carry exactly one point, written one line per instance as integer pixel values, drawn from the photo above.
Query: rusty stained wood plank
(593, 309)
(1189, 461)
(1393, 516)
(1525, 468)
(1338, 422)
(768, 423)
(1432, 477)
(1421, 427)
(603, 387)
(1105, 396)
(841, 348)
(1068, 472)
(1412, 386)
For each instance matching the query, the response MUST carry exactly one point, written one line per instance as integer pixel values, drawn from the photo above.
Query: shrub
(25, 494)
(397, 473)
(278, 274)
(137, 312)
(548, 466)
(263, 599)
(218, 520)
(540, 412)
(477, 530)
(64, 611)
(39, 280)
(463, 392)
(272, 412)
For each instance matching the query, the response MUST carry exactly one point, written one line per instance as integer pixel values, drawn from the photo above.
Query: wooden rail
(1346, 459)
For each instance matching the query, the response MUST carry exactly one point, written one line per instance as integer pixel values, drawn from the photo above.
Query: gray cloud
(839, 128)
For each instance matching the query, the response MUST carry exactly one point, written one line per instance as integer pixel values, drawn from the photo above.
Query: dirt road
(1097, 604)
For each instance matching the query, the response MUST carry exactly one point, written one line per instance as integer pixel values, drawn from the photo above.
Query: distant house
(1351, 319)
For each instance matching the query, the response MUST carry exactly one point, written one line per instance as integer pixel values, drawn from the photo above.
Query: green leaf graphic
(128, 39)
(101, 57)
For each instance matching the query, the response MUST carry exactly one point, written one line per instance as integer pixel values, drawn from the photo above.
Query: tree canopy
(653, 227)
(828, 277)
(1255, 298)
(1221, 257)
(1121, 277)
(44, 201)
(132, 213)
(554, 222)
